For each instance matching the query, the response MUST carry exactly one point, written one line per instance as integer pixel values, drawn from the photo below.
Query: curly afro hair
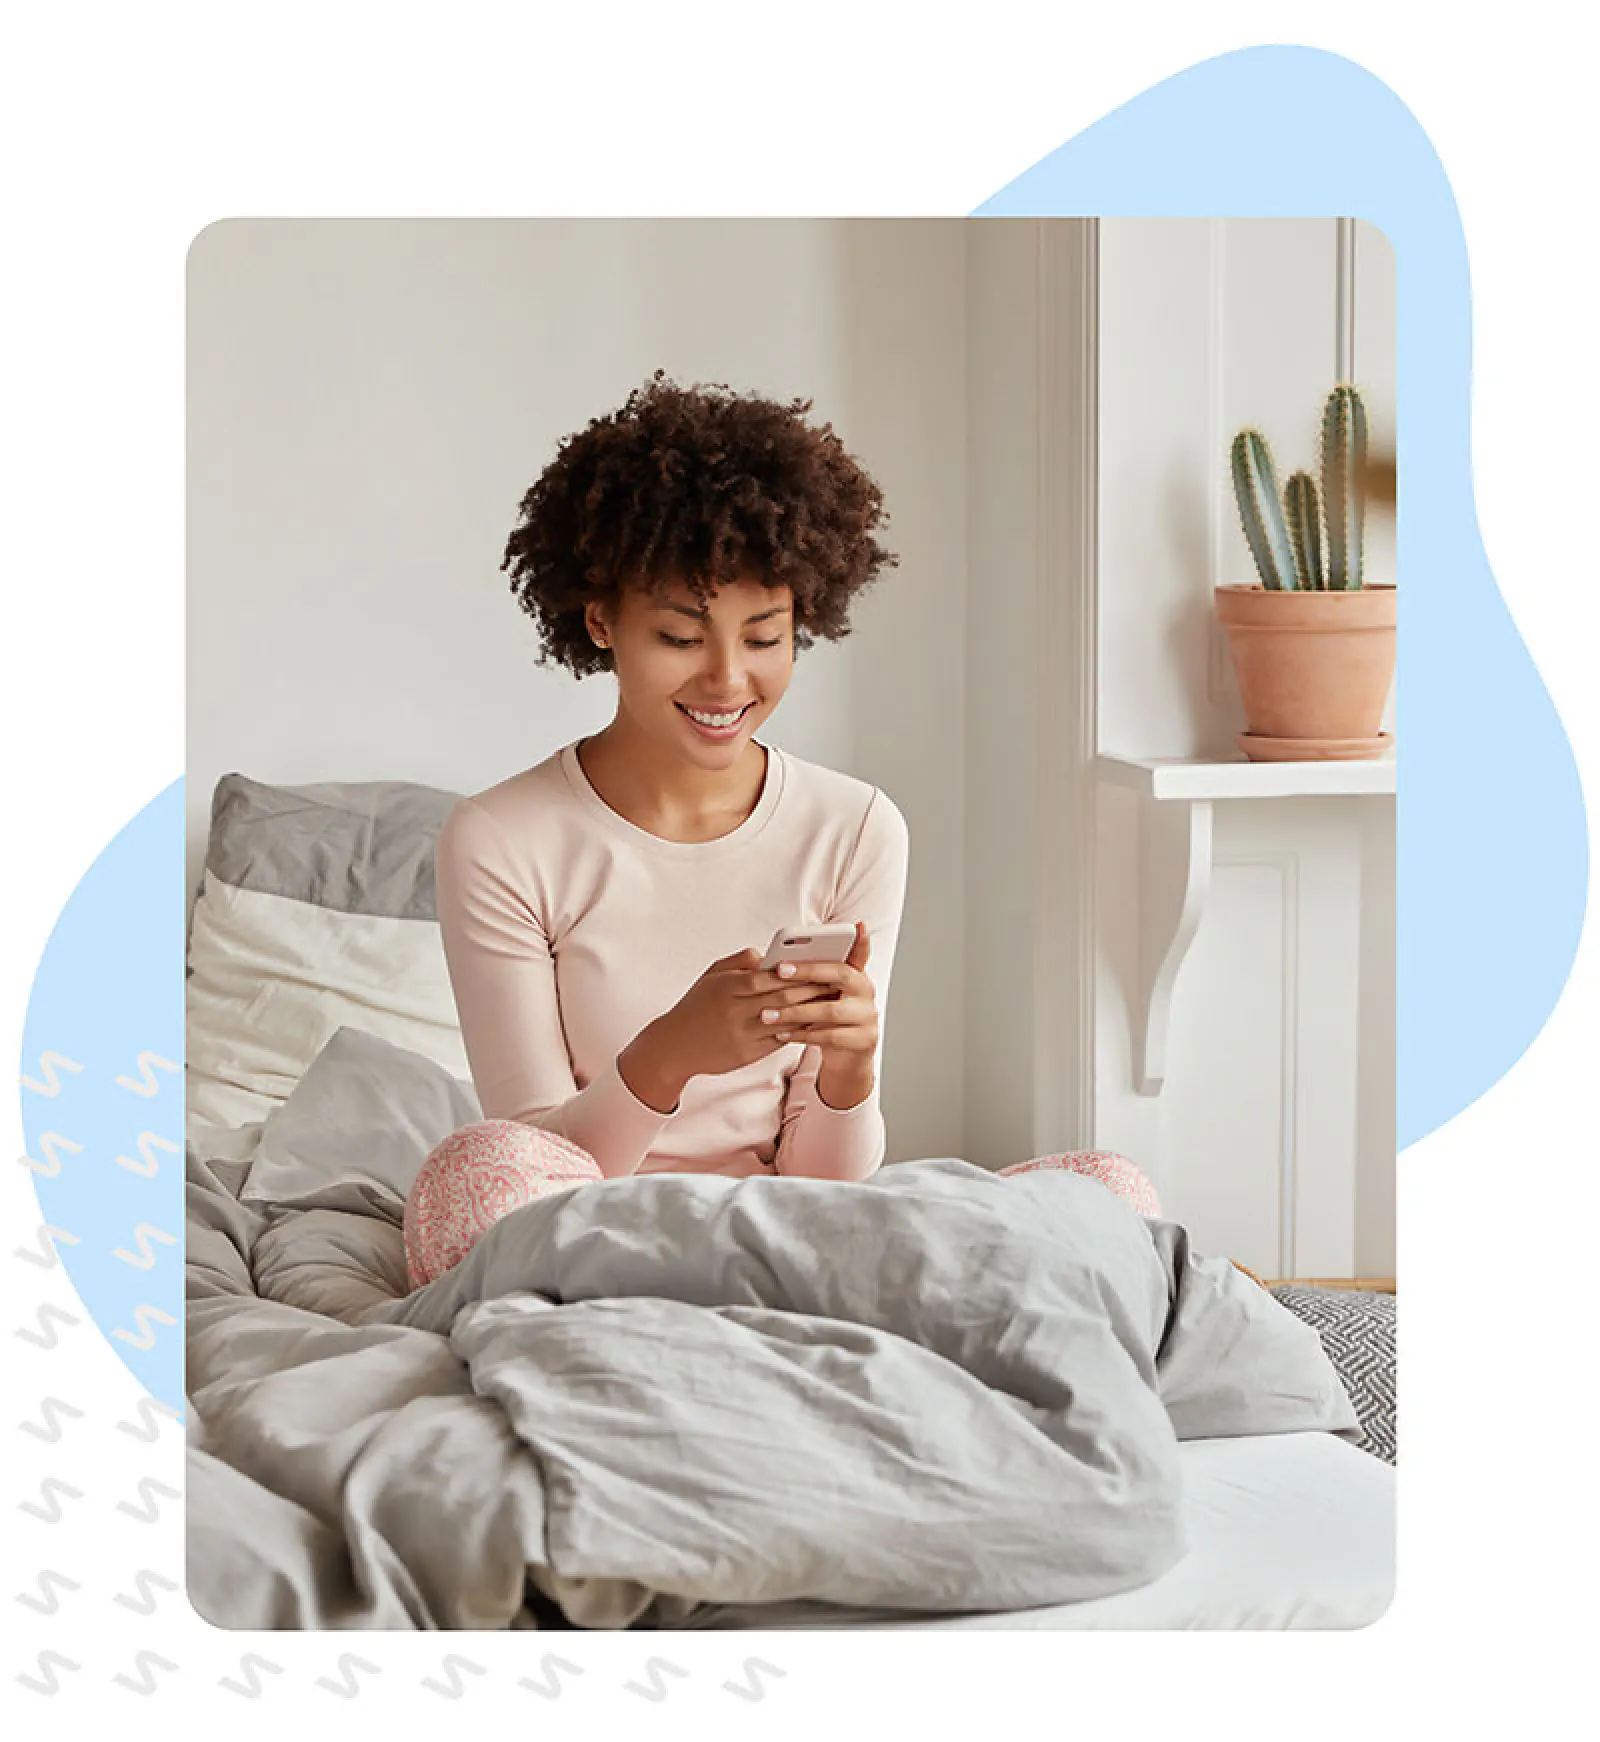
(700, 486)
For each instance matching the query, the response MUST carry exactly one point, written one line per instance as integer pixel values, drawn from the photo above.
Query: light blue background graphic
(1492, 849)
(1493, 857)
(109, 989)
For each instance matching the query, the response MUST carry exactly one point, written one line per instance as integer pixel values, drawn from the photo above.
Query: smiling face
(696, 681)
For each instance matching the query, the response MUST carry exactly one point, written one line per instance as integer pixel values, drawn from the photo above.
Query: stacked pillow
(1357, 1328)
(316, 912)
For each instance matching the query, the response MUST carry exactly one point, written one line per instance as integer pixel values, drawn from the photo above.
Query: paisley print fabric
(1113, 1171)
(477, 1175)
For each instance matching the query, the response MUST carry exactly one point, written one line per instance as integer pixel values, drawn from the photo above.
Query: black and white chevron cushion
(1357, 1331)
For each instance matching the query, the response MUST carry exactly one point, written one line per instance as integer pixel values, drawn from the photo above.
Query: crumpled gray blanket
(936, 1391)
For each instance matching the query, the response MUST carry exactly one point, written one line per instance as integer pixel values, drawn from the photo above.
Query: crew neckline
(759, 817)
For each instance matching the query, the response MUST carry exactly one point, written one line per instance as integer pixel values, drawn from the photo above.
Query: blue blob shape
(1488, 915)
(1492, 857)
(107, 1002)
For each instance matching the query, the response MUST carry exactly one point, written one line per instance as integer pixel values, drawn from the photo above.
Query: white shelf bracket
(1176, 796)
(1174, 880)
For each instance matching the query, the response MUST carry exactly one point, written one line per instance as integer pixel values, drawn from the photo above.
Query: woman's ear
(594, 621)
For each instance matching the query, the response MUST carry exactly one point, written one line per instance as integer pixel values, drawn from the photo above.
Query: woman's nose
(726, 669)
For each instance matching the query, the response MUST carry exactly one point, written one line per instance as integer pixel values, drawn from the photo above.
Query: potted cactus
(1313, 641)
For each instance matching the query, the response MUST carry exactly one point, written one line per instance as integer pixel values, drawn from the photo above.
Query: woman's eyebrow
(700, 615)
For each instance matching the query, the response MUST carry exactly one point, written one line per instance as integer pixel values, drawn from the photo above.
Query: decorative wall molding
(1205, 326)
(1286, 863)
(1066, 679)
(1344, 344)
(1221, 686)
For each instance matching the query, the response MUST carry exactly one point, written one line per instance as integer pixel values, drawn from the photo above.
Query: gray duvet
(935, 1391)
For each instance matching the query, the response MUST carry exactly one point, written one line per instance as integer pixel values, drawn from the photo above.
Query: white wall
(367, 402)
(1209, 326)
(1031, 444)
(1278, 1111)
(369, 399)
(1003, 391)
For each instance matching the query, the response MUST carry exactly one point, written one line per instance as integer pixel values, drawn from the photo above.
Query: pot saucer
(1315, 749)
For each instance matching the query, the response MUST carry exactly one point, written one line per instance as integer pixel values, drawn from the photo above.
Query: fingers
(821, 1013)
(786, 995)
(771, 988)
(829, 974)
(739, 959)
(860, 950)
(829, 1040)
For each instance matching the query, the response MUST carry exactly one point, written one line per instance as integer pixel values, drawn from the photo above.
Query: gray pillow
(1356, 1327)
(354, 846)
(357, 1128)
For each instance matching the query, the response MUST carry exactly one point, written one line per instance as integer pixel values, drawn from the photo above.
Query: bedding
(645, 1400)
(345, 1139)
(1357, 1328)
(316, 909)
(1284, 1531)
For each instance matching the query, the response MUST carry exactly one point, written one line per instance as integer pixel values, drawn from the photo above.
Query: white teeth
(713, 719)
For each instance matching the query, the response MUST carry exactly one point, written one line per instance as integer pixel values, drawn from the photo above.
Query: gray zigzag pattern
(148, 1489)
(45, 1256)
(150, 1413)
(655, 1669)
(145, 1582)
(347, 1687)
(453, 1687)
(49, 1316)
(47, 1681)
(52, 1490)
(250, 1687)
(550, 1688)
(47, 1602)
(54, 1411)
(144, 1662)
(750, 1688)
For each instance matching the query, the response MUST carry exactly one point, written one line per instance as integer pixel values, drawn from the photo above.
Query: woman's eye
(679, 641)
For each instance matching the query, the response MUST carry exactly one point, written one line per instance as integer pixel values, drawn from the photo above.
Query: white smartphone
(814, 943)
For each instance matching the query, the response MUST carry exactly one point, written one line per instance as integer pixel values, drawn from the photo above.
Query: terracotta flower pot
(1314, 669)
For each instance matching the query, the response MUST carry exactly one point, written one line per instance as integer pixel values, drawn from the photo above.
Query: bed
(586, 1424)
(1284, 1530)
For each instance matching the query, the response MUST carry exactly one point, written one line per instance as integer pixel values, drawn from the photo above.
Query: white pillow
(316, 911)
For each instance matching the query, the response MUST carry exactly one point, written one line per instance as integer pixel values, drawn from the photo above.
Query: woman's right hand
(715, 1026)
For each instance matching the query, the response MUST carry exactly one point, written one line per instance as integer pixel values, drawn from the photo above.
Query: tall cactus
(1255, 489)
(1303, 513)
(1344, 465)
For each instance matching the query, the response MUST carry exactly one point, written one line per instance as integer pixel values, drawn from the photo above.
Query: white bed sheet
(1285, 1531)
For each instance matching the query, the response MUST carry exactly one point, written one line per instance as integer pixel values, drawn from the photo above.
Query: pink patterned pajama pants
(484, 1171)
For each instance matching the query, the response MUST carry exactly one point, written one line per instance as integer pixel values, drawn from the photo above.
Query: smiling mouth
(708, 721)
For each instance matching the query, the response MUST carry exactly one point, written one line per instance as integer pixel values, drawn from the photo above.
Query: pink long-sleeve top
(568, 929)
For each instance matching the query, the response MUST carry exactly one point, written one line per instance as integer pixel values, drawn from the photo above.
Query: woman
(604, 912)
